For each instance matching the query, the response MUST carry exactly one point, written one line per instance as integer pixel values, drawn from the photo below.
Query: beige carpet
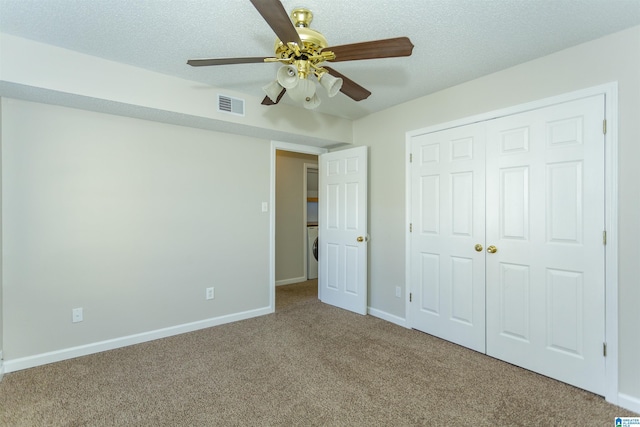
(307, 364)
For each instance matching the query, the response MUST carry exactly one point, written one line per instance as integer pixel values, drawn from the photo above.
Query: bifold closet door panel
(545, 216)
(447, 272)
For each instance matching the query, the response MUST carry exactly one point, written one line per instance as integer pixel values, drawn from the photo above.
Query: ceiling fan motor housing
(312, 41)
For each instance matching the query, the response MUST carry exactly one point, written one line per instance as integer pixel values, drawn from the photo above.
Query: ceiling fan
(301, 51)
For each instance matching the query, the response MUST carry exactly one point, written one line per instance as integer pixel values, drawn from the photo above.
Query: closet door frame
(610, 92)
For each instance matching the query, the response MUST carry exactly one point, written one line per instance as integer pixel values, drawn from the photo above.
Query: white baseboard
(291, 281)
(629, 402)
(386, 316)
(1, 367)
(83, 350)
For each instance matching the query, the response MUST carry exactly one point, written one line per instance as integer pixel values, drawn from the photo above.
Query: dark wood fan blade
(268, 101)
(224, 61)
(387, 48)
(350, 88)
(278, 19)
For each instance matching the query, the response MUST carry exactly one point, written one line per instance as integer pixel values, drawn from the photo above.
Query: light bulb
(288, 76)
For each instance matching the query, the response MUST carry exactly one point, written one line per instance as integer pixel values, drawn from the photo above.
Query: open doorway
(291, 295)
(292, 212)
(294, 207)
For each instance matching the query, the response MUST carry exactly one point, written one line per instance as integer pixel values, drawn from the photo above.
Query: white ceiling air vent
(227, 104)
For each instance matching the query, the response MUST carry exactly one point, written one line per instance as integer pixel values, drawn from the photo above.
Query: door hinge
(604, 349)
(604, 126)
(410, 227)
(604, 237)
(410, 157)
(410, 297)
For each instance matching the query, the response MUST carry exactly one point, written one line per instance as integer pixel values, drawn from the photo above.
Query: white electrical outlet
(210, 294)
(398, 292)
(76, 315)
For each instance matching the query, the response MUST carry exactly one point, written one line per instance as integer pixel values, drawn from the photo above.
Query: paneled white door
(539, 280)
(342, 229)
(545, 216)
(447, 266)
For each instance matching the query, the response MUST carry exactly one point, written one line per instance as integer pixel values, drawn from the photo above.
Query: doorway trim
(284, 146)
(305, 219)
(610, 92)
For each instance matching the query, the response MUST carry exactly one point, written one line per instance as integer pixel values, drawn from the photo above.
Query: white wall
(612, 58)
(125, 243)
(71, 78)
(130, 220)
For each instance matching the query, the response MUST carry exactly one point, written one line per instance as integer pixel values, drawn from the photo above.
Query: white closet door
(545, 215)
(447, 272)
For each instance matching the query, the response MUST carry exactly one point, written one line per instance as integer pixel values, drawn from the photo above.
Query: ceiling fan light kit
(287, 76)
(273, 91)
(330, 83)
(303, 90)
(312, 102)
(301, 51)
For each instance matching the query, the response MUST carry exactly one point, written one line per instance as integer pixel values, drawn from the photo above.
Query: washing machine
(312, 252)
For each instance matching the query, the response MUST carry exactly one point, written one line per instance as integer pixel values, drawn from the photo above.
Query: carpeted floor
(307, 364)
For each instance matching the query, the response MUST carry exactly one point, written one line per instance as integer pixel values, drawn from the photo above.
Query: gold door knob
(478, 247)
(360, 239)
(492, 249)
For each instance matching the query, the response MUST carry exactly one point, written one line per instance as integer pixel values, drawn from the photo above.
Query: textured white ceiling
(455, 40)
